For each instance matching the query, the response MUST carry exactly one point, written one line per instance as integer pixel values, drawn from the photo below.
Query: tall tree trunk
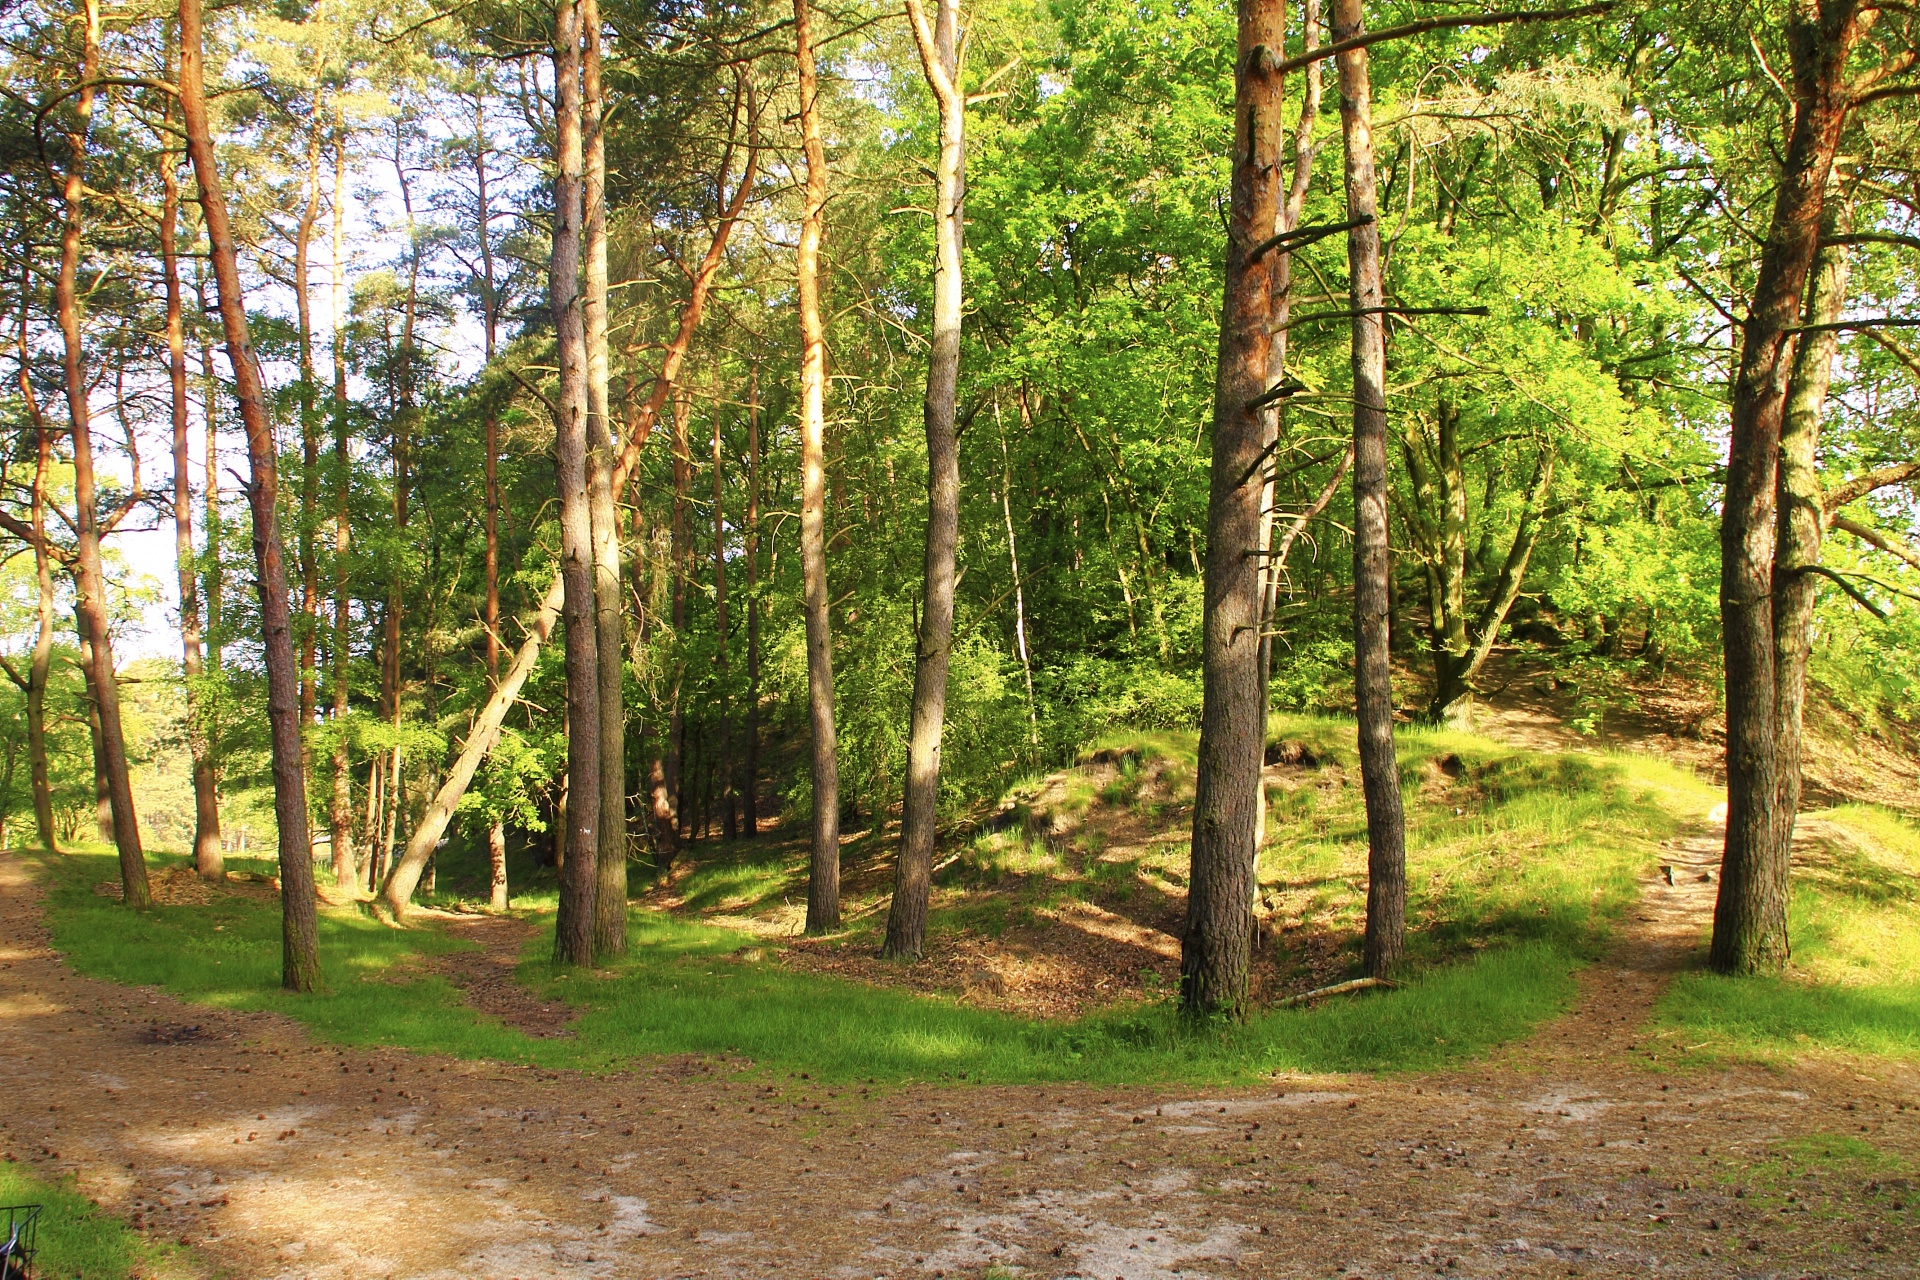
(723, 701)
(403, 425)
(211, 559)
(89, 572)
(346, 872)
(300, 958)
(40, 665)
(1386, 933)
(1750, 915)
(490, 316)
(1802, 519)
(939, 46)
(823, 751)
(610, 894)
(750, 794)
(309, 434)
(1217, 944)
(573, 934)
(207, 857)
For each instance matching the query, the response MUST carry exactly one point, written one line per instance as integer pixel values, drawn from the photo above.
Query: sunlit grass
(1854, 985)
(77, 1239)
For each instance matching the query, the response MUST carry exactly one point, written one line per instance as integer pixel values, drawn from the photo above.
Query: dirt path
(276, 1157)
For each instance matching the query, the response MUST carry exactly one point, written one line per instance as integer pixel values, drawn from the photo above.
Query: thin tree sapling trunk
(722, 702)
(346, 871)
(40, 665)
(208, 860)
(750, 794)
(300, 958)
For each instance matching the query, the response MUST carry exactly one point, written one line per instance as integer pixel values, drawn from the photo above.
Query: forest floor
(1578, 1151)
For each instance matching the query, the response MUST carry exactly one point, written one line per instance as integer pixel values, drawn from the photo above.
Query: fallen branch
(1337, 989)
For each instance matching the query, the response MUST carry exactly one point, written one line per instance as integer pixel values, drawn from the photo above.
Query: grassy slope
(1518, 866)
(1854, 985)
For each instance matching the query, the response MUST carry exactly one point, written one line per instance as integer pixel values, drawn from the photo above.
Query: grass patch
(1519, 863)
(684, 989)
(77, 1239)
(1854, 986)
(1504, 846)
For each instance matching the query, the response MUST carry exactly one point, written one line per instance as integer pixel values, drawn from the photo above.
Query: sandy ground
(1573, 1154)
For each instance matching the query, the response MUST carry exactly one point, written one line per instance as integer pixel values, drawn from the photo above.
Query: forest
(1173, 542)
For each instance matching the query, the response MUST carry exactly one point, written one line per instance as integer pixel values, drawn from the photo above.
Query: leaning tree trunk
(1386, 933)
(208, 860)
(823, 875)
(89, 571)
(1216, 949)
(610, 880)
(913, 873)
(1750, 915)
(573, 935)
(1801, 522)
(480, 739)
(300, 958)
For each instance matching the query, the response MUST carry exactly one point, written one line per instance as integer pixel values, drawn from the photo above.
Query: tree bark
(346, 871)
(823, 868)
(211, 558)
(300, 959)
(309, 393)
(723, 702)
(1802, 520)
(1750, 915)
(610, 893)
(497, 899)
(939, 46)
(1216, 948)
(40, 664)
(750, 794)
(89, 572)
(208, 860)
(573, 936)
(1372, 565)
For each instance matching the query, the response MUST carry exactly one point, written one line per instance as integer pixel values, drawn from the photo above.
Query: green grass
(686, 988)
(77, 1241)
(1854, 986)
(1519, 863)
